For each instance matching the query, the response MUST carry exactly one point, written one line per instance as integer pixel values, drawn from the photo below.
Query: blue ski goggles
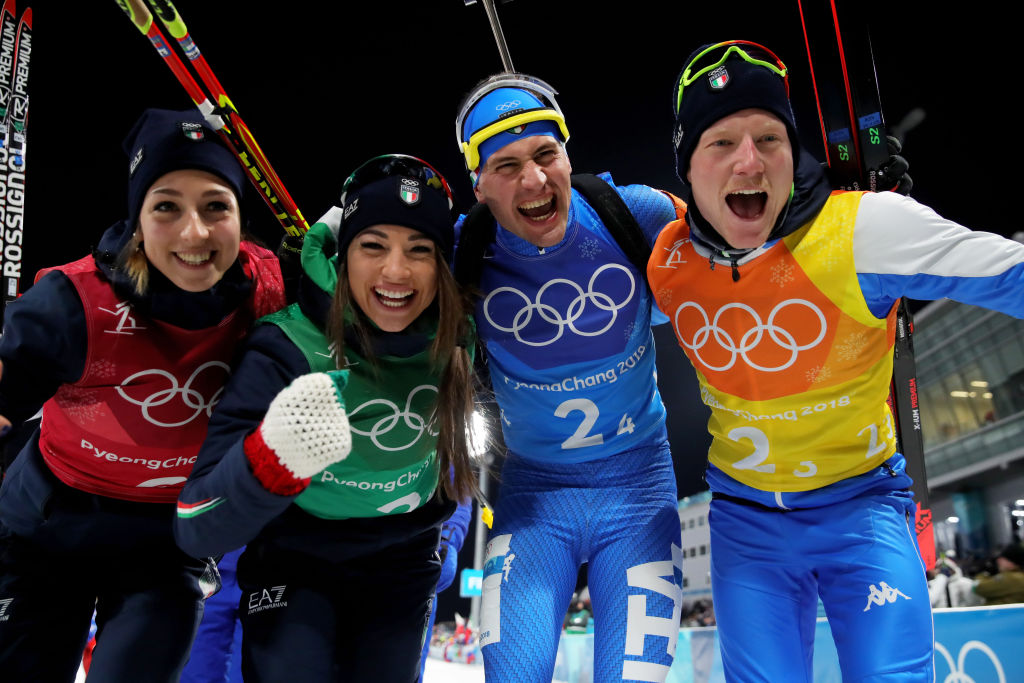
(715, 56)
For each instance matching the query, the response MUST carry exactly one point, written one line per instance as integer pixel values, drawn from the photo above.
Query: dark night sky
(324, 86)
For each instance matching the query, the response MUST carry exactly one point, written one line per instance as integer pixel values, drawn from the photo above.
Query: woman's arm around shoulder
(223, 505)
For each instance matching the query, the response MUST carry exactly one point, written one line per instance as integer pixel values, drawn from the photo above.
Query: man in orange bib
(783, 296)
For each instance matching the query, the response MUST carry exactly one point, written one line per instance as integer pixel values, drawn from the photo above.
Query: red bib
(131, 426)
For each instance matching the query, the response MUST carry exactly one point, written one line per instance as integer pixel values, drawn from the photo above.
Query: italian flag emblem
(718, 78)
(192, 131)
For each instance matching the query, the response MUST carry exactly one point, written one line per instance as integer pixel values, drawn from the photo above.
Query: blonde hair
(132, 262)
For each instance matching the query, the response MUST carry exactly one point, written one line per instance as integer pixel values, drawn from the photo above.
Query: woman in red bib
(127, 352)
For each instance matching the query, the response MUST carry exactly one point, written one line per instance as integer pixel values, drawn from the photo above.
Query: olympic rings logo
(958, 673)
(752, 337)
(508, 105)
(384, 425)
(575, 309)
(190, 396)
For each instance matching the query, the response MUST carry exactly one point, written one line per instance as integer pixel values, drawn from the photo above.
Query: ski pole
(499, 37)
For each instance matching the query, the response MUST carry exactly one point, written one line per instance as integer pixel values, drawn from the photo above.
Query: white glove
(304, 431)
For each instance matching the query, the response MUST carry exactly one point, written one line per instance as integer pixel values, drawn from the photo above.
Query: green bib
(393, 464)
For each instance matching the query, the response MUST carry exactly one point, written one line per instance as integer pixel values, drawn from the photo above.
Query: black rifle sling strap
(617, 217)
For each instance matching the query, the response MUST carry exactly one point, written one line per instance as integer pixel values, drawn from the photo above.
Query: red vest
(131, 426)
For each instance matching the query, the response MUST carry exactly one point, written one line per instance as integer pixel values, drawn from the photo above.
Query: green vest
(393, 464)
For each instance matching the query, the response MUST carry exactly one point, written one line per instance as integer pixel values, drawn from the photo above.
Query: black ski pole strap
(616, 216)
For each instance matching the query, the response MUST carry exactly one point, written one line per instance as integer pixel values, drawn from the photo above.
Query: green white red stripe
(189, 510)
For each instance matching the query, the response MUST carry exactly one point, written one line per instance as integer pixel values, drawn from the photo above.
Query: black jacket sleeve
(223, 506)
(43, 345)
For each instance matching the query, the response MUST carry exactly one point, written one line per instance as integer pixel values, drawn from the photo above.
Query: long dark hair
(453, 410)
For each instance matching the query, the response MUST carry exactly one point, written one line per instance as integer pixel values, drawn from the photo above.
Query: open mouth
(394, 298)
(540, 210)
(747, 204)
(195, 258)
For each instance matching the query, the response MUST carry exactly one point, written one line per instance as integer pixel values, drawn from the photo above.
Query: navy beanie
(162, 141)
(398, 200)
(735, 85)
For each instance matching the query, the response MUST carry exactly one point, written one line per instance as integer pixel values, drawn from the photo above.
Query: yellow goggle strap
(471, 148)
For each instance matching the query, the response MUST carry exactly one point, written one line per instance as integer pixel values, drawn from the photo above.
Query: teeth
(194, 259)
(534, 205)
(746, 192)
(393, 298)
(392, 294)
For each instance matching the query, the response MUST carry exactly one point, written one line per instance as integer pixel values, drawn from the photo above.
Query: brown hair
(453, 410)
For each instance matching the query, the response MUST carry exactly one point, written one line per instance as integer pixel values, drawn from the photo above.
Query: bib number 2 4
(582, 437)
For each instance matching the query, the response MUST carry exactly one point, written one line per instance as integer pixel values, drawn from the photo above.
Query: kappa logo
(125, 322)
(268, 598)
(885, 593)
(506, 566)
(4, 604)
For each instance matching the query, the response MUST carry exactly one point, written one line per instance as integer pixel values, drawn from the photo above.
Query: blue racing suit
(589, 478)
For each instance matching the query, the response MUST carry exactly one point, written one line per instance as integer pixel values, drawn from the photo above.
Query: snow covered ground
(436, 671)
(440, 671)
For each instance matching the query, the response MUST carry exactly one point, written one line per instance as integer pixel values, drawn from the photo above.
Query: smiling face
(392, 274)
(741, 174)
(190, 228)
(526, 186)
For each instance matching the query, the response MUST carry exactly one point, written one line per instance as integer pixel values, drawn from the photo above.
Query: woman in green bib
(340, 445)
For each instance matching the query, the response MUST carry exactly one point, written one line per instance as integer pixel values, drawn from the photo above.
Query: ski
(15, 58)
(853, 131)
(223, 116)
(175, 25)
(8, 41)
(8, 45)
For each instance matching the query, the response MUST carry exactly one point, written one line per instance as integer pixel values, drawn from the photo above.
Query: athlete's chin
(745, 235)
(543, 236)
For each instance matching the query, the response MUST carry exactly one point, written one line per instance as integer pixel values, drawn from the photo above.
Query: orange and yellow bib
(793, 365)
